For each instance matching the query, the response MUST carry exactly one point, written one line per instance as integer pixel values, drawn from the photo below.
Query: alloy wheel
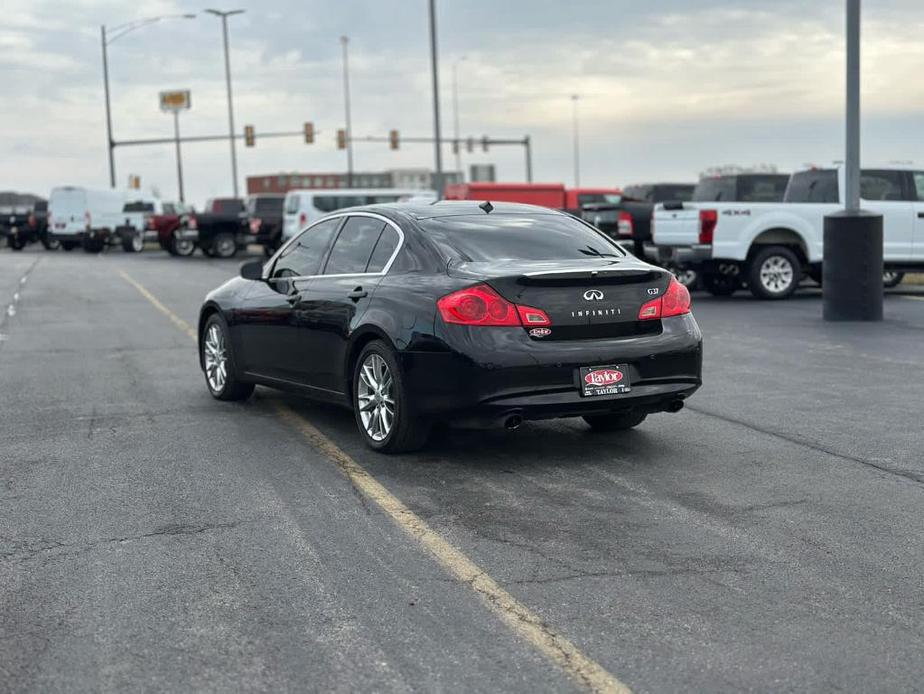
(776, 274)
(183, 247)
(224, 247)
(216, 358)
(137, 243)
(375, 397)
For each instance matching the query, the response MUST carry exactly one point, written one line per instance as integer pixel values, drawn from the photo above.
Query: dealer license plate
(605, 380)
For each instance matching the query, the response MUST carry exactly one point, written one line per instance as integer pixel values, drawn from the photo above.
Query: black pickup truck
(221, 231)
(629, 220)
(26, 223)
(264, 214)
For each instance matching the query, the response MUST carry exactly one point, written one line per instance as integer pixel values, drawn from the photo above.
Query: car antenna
(486, 206)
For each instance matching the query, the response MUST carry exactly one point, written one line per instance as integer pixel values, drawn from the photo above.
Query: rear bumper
(681, 255)
(502, 371)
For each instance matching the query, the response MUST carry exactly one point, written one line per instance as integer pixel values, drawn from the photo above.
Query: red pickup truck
(554, 195)
(166, 224)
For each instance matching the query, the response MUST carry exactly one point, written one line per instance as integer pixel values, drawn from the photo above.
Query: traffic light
(470, 144)
(249, 135)
(484, 143)
(341, 139)
(393, 140)
(309, 132)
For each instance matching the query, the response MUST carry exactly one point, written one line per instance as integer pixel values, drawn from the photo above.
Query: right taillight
(302, 219)
(624, 224)
(481, 305)
(707, 222)
(191, 222)
(675, 302)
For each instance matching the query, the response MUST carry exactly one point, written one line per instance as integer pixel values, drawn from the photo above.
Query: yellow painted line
(523, 621)
(175, 319)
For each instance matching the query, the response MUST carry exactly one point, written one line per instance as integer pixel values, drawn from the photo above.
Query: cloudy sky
(668, 87)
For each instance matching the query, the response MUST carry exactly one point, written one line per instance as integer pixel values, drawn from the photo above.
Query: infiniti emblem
(593, 295)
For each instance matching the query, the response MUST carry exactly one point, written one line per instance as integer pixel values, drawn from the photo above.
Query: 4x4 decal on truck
(737, 213)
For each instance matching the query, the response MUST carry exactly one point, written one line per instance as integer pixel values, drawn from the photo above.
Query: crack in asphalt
(917, 478)
(25, 549)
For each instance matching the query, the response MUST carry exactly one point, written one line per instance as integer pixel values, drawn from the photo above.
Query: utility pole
(438, 147)
(344, 41)
(852, 268)
(224, 30)
(577, 145)
(108, 110)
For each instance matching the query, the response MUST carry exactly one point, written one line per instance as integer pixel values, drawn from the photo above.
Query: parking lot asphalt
(769, 537)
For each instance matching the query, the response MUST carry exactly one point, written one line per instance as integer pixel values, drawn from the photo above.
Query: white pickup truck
(769, 247)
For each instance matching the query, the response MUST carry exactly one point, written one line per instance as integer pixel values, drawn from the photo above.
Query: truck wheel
(721, 285)
(69, 245)
(50, 244)
(93, 245)
(16, 242)
(133, 243)
(223, 246)
(774, 273)
(892, 279)
(182, 247)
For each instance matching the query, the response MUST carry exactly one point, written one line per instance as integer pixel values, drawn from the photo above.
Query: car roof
(453, 208)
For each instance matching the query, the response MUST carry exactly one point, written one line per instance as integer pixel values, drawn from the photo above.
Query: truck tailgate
(675, 227)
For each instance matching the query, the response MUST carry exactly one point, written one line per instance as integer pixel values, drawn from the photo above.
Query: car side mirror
(252, 270)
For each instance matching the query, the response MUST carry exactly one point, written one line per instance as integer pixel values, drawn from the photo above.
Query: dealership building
(416, 178)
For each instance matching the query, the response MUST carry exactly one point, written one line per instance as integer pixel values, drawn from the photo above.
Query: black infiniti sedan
(455, 312)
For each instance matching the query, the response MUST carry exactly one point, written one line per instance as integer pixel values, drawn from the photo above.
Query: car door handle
(358, 293)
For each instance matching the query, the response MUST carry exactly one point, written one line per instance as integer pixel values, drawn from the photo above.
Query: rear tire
(17, 243)
(133, 243)
(617, 421)
(774, 273)
(182, 247)
(50, 244)
(224, 246)
(892, 279)
(721, 285)
(382, 405)
(217, 360)
(93, 245)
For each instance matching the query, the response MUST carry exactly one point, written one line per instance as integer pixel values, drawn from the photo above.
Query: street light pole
(437, 145)
(455, 113)
(851, 271)
(344, 41)
(108, 109)
(179, 159)
(224, 30)
(106, 38)
(577, 146)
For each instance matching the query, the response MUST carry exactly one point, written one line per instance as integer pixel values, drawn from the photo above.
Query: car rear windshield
(816, 185)
(138, 207)
(518, 237)
(228, 206)
(769, 188)
(271, 205)
(683, 193)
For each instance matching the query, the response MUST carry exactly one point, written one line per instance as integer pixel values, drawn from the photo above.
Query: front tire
(719, 284)
(217, 360)
(382, 405)
(774, 273)
(616, 421)
(892, 279)
(50, 244)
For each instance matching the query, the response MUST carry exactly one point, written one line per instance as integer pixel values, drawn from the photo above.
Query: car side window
(384, 249)
(354, 246)
(304, 255)
(918, 184)
(882, 184)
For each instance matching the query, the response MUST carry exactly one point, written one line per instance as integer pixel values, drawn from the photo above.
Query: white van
(84, 216)
(304, 207)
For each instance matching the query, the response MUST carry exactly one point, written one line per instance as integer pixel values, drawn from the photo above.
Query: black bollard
(851, 279)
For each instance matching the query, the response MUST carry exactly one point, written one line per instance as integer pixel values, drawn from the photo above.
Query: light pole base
(852, 270)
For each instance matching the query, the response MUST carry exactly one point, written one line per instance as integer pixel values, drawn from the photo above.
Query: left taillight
(675, 302)
(624, 226)
(481, 305)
